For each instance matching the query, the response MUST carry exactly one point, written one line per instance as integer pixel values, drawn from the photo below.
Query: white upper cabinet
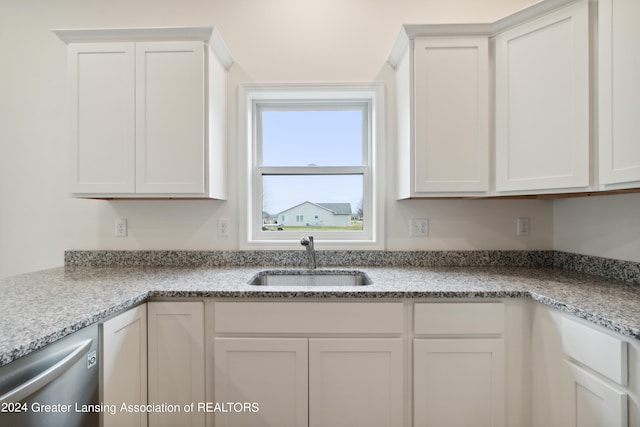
(542, 103)
(442, 87)
(619, 93)
(528, 73)
(142, 102)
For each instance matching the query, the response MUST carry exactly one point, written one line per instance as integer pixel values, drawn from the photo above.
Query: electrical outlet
(121, 227)
(223, 227)
(523, 226)
(419, 227)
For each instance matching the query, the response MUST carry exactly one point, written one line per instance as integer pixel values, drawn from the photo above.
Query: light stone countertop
(41, 307)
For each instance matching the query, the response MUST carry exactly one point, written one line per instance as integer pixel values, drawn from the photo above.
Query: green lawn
(355, 226)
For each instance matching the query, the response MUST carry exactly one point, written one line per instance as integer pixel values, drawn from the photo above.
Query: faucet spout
(307, 242)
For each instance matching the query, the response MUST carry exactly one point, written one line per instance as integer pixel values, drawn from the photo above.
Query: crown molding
(409, 32)
(205, 34)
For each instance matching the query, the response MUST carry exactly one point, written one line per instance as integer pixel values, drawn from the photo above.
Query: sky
(311, 137)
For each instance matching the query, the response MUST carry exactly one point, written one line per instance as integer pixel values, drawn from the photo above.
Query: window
(312, 168)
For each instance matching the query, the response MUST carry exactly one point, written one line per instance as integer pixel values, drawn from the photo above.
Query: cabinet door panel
(542, 102)
(101, 82)
(355, 382)
(451, 114)
(176, 360)
(459, 382)
(593, 402)
(124, 367)
(272, 372)
(619, 90)
(170, 117)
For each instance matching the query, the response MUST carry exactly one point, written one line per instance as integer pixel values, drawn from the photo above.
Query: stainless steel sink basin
(310, 278)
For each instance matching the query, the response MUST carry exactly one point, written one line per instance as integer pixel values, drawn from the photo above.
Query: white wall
(607, 226)
(272, 41)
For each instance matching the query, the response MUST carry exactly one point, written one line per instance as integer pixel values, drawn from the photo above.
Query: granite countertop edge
(42, 307)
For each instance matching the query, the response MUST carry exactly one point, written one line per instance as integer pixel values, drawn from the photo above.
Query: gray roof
(339, 208)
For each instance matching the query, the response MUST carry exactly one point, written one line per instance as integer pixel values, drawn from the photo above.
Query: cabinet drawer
(459, 318)
(308, 317)
(601, 352)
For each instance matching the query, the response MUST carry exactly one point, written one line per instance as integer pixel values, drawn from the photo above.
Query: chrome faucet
(307, 242)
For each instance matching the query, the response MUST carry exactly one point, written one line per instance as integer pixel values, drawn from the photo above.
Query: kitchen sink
(310, 278)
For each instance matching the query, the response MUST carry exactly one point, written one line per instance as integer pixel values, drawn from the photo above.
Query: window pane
(312, 202)
(322, 137)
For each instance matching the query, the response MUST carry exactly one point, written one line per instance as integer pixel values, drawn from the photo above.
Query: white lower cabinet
(310, 382)
(583, 375)
(596, 398)
(304, 364)
(459, 382)
(333, 364)
(176, 366)
(123, 376)
(459, 364)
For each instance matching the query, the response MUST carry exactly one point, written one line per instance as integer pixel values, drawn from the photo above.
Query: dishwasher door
(54, 386)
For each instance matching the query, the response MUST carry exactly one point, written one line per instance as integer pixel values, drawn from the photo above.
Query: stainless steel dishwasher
(54, 386)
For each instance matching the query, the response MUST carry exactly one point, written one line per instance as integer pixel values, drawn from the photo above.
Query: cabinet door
(101, 84)
(176, 361)
(593, 402)
(619, 91)
(124, 367)
(170, 117)
(356, 382)
(271, 372)
(542, 102)
(459, 382)
(451, 84)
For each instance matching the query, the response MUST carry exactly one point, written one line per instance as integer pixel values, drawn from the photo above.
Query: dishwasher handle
(42, 379)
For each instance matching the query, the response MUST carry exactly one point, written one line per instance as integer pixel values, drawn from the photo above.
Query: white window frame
(251, 234)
